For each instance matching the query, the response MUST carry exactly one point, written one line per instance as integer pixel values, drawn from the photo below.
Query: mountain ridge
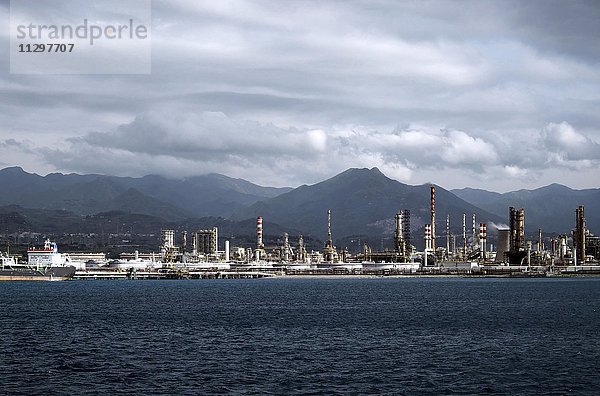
(198, 196)
(551, 207)
(363, 201)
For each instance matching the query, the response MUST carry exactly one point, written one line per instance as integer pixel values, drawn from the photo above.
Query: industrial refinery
(464, 253)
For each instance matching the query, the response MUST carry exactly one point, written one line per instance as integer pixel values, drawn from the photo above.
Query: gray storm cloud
(186, 144)
(208, 135)
(495, 94)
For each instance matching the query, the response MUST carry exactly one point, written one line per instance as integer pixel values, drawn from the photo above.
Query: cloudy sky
(499, 95)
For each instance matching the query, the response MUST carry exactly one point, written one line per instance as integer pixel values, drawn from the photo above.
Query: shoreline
(337, 276)
(356, 276)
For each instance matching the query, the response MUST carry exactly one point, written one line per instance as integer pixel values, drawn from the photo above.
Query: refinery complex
(204, 254)
(199, 254)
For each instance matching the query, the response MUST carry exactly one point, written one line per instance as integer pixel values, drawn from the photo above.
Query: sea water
(301, 336)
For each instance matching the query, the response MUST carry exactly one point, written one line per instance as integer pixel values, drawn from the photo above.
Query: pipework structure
(579, 236)
(206, 241)
(428, 242)
(402, 235)
(301, 253)
(168, 250)
(516, 221)
(482, 240)
(520, 241)
(406, 234)
(512, 226)
(167, 238)
(517, 229)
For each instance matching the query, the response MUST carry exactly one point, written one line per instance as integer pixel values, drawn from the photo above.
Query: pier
(165, 274)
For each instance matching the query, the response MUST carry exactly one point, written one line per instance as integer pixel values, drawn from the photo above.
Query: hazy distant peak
(554, 187)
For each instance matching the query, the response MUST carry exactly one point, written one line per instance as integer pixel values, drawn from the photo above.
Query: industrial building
(402, 236)
(579, 237)
(169, 252)
(517, 246)
(206, 241)
(513, 253)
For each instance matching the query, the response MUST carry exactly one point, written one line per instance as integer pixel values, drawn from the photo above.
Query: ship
(45, 264)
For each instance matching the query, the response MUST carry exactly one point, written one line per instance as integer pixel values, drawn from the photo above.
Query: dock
(166, 274)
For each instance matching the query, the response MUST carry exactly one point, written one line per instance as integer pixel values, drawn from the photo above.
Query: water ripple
(301, 337)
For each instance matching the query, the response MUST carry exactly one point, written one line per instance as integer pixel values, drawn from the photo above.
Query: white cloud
(460, 148)
(317, 139)
(569, 144)
(194, 143)
(515, 172)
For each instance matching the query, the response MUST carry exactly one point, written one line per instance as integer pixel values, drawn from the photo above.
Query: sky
(500, 95)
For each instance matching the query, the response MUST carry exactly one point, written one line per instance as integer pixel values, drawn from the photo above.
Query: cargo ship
(45, 264)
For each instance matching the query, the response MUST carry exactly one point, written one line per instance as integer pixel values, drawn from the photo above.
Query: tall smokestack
(259, 233)
(329, 252)
(474, 244)
(398, 234)
(464, 225)
(406, 234)
(512, 221)
(448, 234)
(329, 241)
(433, 218)
(579, 235)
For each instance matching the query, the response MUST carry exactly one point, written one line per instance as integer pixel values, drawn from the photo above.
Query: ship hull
(29, 274)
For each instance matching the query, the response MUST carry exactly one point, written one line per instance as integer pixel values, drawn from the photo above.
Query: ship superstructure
(48, 256)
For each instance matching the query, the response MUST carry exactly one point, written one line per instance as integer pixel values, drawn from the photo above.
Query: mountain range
(362, 201)
(170, 199)
(551, 208)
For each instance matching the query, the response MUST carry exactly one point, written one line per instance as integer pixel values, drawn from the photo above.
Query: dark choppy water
(298, 336)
